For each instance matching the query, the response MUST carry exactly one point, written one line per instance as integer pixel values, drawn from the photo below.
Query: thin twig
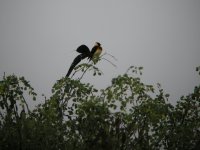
(77, 70)
(84, 72)
(110, 62)
(111, 56)
(24, 100)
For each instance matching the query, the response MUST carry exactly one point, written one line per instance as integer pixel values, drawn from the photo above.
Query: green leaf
(95, 90)
(34, 98)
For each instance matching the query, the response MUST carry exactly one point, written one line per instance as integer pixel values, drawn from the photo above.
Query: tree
(128, 114)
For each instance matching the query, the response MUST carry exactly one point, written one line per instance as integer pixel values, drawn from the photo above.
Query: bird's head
(96, 52)
(97, 44)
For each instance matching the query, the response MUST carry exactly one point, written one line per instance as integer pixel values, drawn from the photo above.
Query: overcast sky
(38, 39)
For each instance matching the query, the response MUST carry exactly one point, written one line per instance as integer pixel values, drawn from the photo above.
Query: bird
(86, 53)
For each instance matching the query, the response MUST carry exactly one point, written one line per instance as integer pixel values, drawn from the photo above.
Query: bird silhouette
(85, 53)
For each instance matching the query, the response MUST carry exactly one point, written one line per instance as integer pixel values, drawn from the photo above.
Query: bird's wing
(75, 62)
(83, 49)
(93, 50)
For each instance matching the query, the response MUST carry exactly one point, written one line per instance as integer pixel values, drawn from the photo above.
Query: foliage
(128, 114)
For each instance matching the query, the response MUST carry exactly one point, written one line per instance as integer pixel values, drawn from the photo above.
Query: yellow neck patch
(96, 55)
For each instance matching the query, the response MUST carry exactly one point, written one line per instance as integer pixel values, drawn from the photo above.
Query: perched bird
(86, 53)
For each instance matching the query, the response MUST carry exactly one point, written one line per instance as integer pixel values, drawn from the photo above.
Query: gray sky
(38, 39)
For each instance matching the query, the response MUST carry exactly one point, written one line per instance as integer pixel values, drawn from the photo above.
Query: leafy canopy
(128, 114)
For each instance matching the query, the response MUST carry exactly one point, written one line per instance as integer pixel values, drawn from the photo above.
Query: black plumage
(85, 53)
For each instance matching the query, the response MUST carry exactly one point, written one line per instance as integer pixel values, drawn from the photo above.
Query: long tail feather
(75, 62)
